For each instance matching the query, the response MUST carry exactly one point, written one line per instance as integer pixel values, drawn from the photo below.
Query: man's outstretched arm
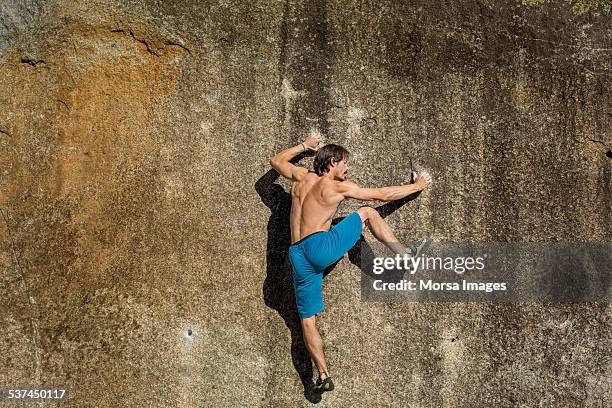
(351, 190)
(281, 162)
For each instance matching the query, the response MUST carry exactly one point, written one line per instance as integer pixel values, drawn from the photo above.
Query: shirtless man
(315, 244)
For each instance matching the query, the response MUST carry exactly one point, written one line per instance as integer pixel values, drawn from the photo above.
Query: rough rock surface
(143, 239)
(15, 17)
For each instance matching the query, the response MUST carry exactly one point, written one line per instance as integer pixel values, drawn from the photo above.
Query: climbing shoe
(324, 385)
(418, 250)
(421, 248)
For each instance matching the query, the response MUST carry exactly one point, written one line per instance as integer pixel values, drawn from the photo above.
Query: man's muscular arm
(281, 162)
(349, 189)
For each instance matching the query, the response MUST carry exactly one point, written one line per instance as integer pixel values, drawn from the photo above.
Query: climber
(315, 244)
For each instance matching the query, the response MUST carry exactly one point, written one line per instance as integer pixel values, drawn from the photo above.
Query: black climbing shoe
(418, 250)
(324, 385)
(421, 248)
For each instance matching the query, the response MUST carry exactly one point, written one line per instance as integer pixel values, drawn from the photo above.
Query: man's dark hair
(324, 157)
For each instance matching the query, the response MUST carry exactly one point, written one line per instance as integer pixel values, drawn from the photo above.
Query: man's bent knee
(366, 212)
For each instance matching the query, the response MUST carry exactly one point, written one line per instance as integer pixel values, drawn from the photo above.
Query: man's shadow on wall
(278, 291)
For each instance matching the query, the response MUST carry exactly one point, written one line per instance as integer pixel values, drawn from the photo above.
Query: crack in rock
(598, 141)
(31, 61)
(176, 44)
(608, 152)
(64, 103)
(148, 44)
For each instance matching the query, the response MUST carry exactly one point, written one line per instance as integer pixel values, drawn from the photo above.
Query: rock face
(15, 17)
(143, 236)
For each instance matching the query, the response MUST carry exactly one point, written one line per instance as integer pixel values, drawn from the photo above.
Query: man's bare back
(314, 201)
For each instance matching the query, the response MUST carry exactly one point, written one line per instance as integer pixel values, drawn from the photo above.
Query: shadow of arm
(390, 207)
(267, 189)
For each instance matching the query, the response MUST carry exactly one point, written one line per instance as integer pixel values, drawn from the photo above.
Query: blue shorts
(311, 255)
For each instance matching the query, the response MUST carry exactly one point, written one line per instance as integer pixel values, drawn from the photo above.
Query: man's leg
(314, 344)
(381, 230)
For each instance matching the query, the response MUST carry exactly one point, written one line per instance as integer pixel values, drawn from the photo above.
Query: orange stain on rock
(91, 111)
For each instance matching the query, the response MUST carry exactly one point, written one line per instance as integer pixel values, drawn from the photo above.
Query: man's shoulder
(343, 184)
(338, 186)
(306, 176)
(300, 174)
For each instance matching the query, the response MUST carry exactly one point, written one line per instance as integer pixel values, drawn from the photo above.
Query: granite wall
(143, 236)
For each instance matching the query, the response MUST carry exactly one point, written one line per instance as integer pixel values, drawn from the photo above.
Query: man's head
(332, 159)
